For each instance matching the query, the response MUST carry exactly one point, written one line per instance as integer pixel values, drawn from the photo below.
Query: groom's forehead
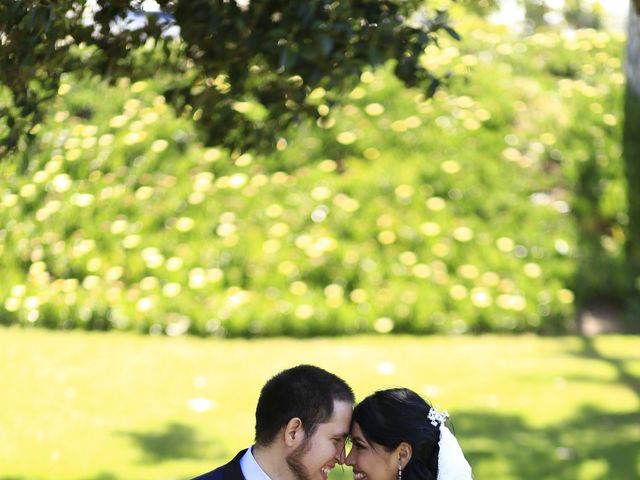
(340, 421)
(334, 430)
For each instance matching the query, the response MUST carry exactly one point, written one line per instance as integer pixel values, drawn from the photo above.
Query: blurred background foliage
(498, 205)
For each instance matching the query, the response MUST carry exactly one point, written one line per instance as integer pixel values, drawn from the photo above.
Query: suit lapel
(232, 470)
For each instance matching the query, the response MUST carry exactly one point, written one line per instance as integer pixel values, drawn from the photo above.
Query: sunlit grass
(81, 405)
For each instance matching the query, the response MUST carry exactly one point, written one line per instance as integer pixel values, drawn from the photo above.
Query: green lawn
(97, 406)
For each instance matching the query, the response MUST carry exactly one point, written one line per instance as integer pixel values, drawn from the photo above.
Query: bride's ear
(404, 452)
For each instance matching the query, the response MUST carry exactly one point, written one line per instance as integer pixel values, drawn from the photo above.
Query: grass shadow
(624, 376)
(103, 476)
(594, 444)
(175, 442)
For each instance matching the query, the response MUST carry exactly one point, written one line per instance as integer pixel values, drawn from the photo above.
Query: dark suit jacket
(230, 471)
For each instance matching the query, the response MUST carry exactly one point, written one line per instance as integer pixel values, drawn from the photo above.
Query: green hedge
(492, 207)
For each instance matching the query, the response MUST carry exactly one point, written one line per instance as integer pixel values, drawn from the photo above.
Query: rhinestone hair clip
(437, 418)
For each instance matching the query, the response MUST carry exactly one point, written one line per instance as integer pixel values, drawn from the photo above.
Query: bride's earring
(399, 471)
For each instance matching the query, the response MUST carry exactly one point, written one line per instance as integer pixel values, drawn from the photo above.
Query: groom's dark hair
(306, 392)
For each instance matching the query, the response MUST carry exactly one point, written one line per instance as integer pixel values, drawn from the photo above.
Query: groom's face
(318, 454)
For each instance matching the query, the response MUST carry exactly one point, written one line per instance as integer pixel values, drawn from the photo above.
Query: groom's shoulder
(229, 471)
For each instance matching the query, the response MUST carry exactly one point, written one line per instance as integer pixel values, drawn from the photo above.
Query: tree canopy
(245, 69)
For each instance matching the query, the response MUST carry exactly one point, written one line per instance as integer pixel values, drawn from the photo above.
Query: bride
(395, 434)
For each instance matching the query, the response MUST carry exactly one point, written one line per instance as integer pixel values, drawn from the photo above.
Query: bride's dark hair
(390, 417)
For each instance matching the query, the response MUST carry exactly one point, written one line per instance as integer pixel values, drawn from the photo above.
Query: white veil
(451, 462)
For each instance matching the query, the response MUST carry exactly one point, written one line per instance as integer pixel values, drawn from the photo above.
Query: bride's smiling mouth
(357, 475)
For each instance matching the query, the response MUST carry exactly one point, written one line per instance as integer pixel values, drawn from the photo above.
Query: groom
(302, 422)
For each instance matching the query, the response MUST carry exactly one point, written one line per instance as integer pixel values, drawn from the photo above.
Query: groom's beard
(294, 460)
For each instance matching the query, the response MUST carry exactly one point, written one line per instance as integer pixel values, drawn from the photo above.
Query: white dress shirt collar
(250, 468)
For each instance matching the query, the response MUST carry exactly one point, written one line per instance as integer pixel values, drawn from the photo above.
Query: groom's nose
(341, 454)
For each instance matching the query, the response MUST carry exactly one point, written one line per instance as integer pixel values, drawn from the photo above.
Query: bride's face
(371, 461)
